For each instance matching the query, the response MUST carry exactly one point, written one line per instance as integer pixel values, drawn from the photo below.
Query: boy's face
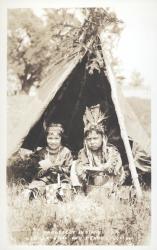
(54, 140)
(94, 140)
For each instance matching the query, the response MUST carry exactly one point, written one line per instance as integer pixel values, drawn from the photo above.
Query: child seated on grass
(98, 163)
(53, 162)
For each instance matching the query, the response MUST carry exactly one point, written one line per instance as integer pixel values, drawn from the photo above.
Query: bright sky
(138, 40)
(137, 46)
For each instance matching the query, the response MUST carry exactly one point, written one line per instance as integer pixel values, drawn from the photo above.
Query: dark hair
(55, 126)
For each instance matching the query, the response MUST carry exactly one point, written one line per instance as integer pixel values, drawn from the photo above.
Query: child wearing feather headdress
(99, 163)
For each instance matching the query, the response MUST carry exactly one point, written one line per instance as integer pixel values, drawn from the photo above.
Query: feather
(95, 112)
(88, 116)
(93, 118)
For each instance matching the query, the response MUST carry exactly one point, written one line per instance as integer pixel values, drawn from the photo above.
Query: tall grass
(85, 220)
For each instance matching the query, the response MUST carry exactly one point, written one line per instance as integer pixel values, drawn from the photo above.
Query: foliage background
(35, 46)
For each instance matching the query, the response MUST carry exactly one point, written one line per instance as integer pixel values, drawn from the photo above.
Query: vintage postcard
(78, 124)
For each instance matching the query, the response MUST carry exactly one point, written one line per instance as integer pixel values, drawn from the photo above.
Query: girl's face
(94, 140)
(54, 140)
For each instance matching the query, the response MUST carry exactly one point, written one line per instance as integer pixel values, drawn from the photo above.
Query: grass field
(85, 220)
(142, 109)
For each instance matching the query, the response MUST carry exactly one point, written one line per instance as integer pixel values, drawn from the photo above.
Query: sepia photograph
(78, 126)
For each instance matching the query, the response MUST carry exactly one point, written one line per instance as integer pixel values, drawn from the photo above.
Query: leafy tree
(136, 79)
(33, 47)
(26, 49)
(62, 29)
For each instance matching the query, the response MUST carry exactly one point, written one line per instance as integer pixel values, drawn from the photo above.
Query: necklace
(55, 157)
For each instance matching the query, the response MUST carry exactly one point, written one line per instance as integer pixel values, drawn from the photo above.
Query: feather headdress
(93, 119)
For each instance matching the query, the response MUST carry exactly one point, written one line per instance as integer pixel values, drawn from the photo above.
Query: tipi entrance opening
(80, 89)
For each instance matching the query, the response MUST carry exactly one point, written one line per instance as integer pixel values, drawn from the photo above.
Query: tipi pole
(124, 135)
